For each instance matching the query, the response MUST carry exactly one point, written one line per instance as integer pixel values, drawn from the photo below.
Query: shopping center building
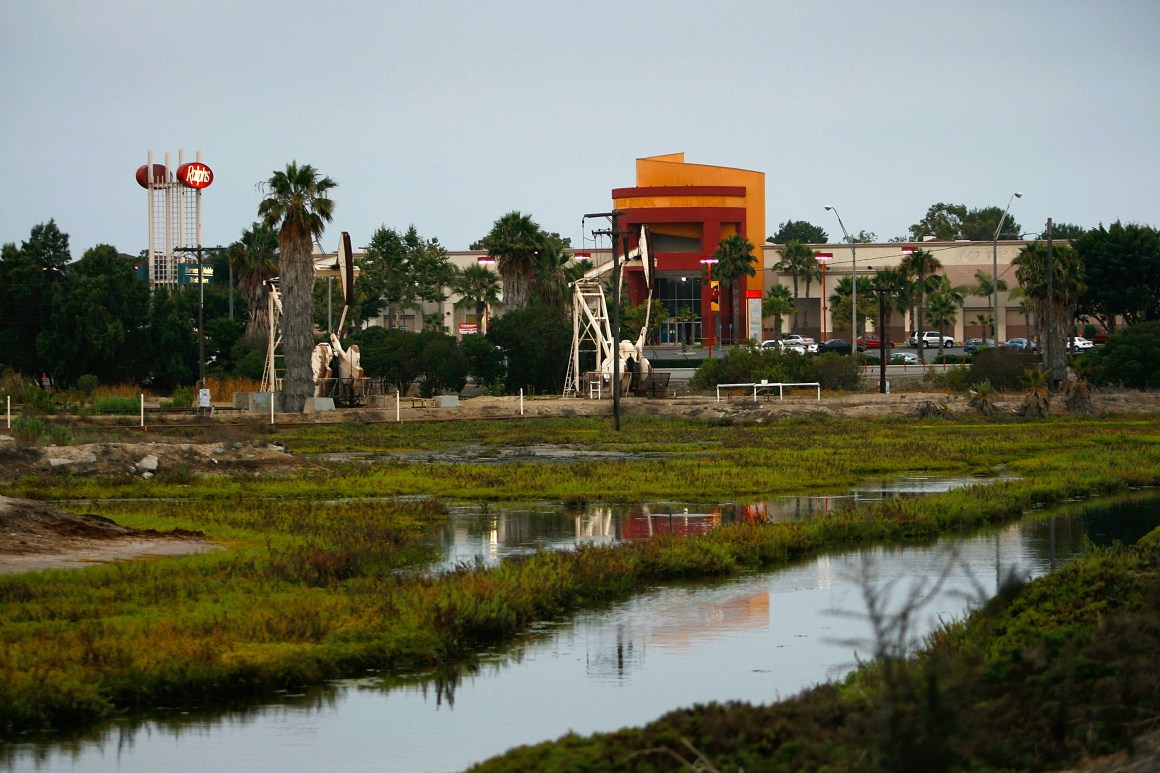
(690, 208)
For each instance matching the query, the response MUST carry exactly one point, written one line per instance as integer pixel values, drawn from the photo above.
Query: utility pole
(614, 234)
(200, 251)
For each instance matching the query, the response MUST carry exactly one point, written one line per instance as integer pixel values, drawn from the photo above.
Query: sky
(447, 115)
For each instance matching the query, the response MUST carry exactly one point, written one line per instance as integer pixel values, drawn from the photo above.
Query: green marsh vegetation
(315, 584)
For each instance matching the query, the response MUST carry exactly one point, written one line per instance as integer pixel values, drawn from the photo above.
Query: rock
(60, 462)
(148, 464)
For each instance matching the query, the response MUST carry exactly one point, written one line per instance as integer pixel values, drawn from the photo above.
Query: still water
(757, 638)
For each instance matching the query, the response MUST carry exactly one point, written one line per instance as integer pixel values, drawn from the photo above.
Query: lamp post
(709, 263)
(995, 269)
(853, 285)
(824, 258)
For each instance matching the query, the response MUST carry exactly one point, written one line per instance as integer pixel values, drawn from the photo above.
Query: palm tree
(796, 259)
(1067, 287)
(985, 287)
(299, 203)
(920, 264)
(778, 302)
(554, 273)
(734, 258)
(254, 260)
(943, 311)
(480, 290)
(514, 241)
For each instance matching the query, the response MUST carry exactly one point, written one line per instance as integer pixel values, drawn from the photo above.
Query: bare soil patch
(35, 535)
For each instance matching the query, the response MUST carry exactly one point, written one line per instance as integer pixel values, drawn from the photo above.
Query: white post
(9, 411)
(142, 409)
(271, 403)
(521, 401)
(398, 416)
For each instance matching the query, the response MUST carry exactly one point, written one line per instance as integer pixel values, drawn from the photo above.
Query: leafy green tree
(979, 225)
(514, 241)
(98, 324)
(942, 221)
(1067, 280)
(28, 275)
(1067, 231)
(442, 367)
(171, 345)
(840, 303)
(735, 260)
(485, 361)
(299, 203)
(478, 287)
(1121, 270)
(633, 315)
(221, 336)
(1130, 358)
(536, 341)
(392, 356)
(777, 303)
(383, 276)
(254, 261)
(801, 231)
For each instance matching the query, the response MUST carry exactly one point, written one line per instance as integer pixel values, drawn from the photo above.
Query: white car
(932, 338)
(800, 342)
(1079, 343)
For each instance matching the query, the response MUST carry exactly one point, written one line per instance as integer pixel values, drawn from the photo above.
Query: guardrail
(779, 385)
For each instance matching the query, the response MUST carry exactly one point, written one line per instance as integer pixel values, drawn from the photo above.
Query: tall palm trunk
(297, 286)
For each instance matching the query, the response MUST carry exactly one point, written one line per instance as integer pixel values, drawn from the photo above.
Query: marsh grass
(310, 587)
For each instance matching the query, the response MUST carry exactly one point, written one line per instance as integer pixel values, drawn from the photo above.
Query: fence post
(521, 401)
(398, 416)
(142, 409)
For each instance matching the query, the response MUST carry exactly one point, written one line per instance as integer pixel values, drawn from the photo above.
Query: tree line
(62, 319)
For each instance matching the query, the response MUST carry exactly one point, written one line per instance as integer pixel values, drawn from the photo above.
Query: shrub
(27, 431)
(87, 384)
(1130, 358)
(118, 406)
(748, 365)
(1002, 367)
(838, 372)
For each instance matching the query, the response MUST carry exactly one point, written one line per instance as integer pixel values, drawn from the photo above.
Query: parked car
(806, 343)
(836, 345)
(1022, 344)
(904, 358)
(1100, 337)
(975, 344)
(785, 345)
(1079, 344)
(932, 338)
(869, 341)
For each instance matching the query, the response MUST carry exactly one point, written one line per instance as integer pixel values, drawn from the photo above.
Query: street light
(853, 285)
(708, 263)
(995, 270)
(824, 258)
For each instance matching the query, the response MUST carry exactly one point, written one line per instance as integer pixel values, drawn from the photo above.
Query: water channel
(756, 638)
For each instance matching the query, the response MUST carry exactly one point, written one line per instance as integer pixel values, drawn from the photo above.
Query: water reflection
(755, 638)
(488, 534)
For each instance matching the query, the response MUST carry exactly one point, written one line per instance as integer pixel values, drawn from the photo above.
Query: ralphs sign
(195, 175)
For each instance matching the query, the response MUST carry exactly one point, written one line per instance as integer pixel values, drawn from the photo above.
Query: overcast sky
(446, 115)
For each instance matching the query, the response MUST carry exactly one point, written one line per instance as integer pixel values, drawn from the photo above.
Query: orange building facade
(689, 209)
